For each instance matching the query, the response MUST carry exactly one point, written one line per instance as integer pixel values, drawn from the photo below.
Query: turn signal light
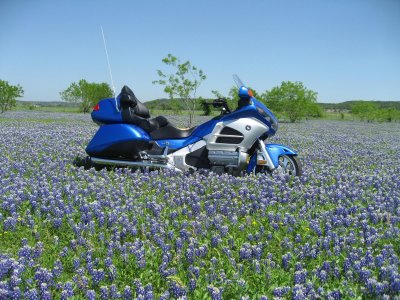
(97, 107)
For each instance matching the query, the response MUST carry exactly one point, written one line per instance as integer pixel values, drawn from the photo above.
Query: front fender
(276, 150)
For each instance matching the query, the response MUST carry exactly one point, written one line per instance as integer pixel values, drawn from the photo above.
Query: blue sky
(342, 49)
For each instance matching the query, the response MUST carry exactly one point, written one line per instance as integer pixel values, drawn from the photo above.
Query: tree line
(290, 100)
(370, 111)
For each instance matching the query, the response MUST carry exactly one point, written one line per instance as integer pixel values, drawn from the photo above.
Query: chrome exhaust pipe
(124, 163)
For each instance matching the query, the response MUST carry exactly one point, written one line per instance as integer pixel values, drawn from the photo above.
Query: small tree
(87, 94)
(183, 83)
(292, 99)
(9, 94)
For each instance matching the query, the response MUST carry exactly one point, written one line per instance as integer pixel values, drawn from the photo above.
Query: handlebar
(220, 102)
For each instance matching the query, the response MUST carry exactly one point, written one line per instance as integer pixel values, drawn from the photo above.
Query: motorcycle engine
(232, 162)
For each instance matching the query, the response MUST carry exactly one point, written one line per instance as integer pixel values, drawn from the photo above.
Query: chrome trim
(124, 163)
(265, 153)
(228, 135)
(153, 157)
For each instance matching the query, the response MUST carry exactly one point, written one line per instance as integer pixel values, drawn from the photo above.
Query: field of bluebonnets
(66, 232)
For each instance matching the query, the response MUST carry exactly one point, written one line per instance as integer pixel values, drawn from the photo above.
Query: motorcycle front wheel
(287, 165)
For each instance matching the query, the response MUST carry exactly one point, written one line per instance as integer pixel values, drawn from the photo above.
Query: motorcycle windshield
(238, 82)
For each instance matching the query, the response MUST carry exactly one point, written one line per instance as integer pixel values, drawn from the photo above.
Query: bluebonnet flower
(176, 289)
(215, 241)
(334, 295)
(165, 296)
(192, 284)
(98, 276)
(286, 258)
(320, 291)
(76, 263)
(214, 293)
(178, 244)
(114, 294)
(58, 268)
(31, 294)
(300, 277)
(16, 293)
(127, 293)
(4, 294)
(299, 292)
(139, 289)
(43, 275)
(10, 224)
(194, 270)
(15, 280)
(322, 275)
(104, 293)
(281, 291)
(91, 294)
(112, 273)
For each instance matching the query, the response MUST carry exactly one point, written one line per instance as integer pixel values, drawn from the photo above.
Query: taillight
(97, 107)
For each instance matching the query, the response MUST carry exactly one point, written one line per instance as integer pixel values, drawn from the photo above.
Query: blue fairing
(111, 134)
(107, 112)
(276, 150)
(273, 120)
(202, 130)
(249, 111)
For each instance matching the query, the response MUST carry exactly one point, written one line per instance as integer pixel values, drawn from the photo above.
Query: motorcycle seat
(135, 112)
(170, 132)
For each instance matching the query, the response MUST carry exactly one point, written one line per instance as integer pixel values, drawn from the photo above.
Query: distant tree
(314, 110)
(87, 94)
(292, 99)
(390, 114)
(183, 83)
(365, 110)
(9, 94)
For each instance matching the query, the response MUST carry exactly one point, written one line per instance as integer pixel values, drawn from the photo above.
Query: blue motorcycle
(231, 143)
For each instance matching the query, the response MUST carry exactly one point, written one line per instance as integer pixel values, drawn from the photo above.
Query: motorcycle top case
(105, 112)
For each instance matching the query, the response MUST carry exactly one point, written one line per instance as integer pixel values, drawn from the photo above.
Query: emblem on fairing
(248, 127)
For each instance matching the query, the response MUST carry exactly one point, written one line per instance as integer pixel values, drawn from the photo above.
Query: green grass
(49, 109)
(338, 116)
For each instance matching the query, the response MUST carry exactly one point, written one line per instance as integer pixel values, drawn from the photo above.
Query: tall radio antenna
(109, 66)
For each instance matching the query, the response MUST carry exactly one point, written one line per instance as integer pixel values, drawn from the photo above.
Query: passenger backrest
(128, 99)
